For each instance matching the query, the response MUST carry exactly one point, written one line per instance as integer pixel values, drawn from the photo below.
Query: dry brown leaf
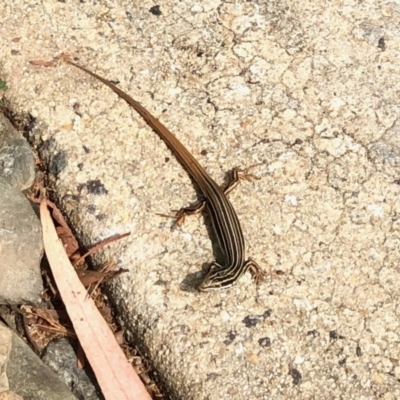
(89, 277)
(71, 245)
(43, 63)
(100, 245)
(115, 375)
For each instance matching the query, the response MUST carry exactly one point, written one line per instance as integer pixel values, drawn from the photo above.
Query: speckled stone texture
(309, 89)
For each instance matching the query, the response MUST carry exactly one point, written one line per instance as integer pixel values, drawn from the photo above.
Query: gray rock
(30, 378)
(5, 347)
(17, 161)
(20, 231)
(21, 248)
(61, 358)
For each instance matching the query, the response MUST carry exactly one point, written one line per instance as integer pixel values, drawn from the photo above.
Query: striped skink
(223, 216)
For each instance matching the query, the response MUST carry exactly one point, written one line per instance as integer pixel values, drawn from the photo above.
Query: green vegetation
(3, 86)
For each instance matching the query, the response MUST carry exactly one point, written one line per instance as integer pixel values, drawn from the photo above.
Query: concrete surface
(310, 90)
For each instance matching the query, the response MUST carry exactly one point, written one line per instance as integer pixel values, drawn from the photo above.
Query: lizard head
(217, 278)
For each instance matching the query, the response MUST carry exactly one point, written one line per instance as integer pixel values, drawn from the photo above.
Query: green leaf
(3, 86)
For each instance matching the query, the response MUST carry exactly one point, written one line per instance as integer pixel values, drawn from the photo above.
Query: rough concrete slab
(309, 89)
